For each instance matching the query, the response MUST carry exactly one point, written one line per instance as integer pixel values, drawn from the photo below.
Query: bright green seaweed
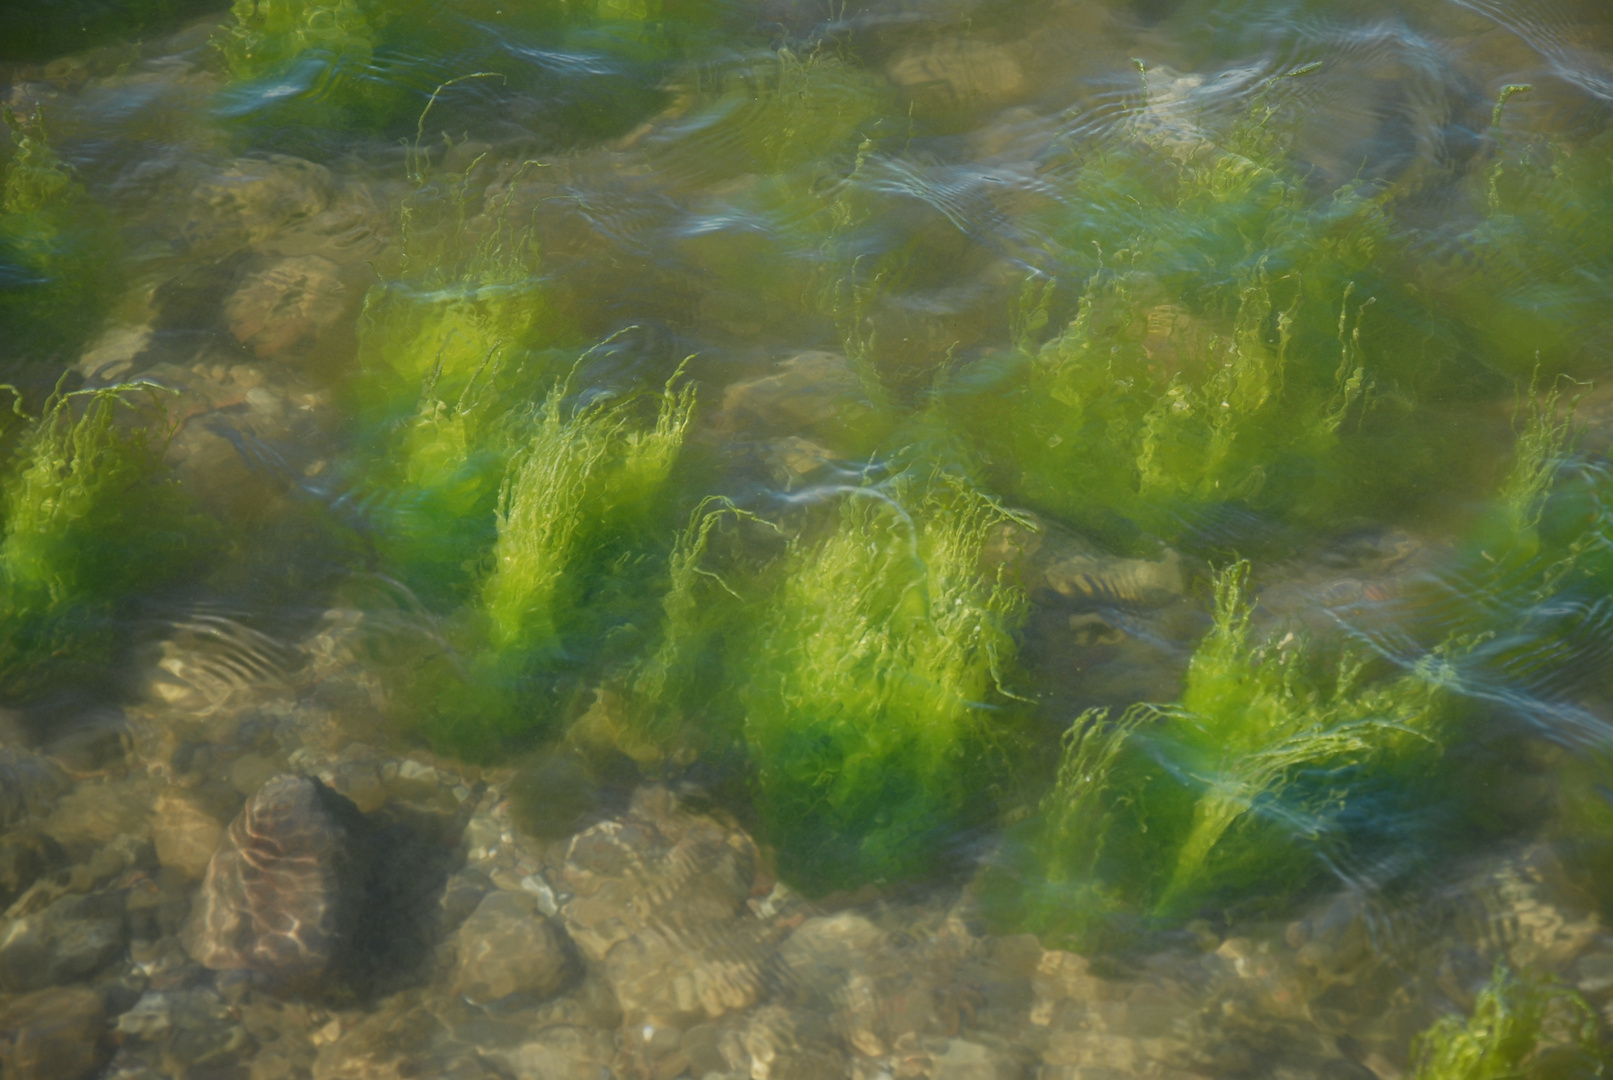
(876, 711)
(1240, 793)
(521, 517)
(573, 526)
(91, 523)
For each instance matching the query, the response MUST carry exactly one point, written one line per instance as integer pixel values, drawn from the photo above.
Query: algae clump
(91, 524)
(1222, 353)
(1522, 1026)
(56, 251)
(574, 532)
(876, 711)
(1271, 770)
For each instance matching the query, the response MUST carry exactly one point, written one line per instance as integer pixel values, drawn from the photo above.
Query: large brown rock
(282, 892)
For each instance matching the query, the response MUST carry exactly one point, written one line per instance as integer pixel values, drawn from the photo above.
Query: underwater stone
(252, 199)
(93, 815)
(52, 1035)
(878, 995)
(959, 73)
(785, 1044)
(564, 1053)
(281, 893)
(25, 855)
(507, 947)
(285, 308)
(185, 834)
(812, 391)
(659, 905)
(73, 937)
(28, 785)
(966, 1060)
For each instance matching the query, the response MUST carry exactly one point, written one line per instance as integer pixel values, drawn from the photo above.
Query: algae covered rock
(282, 894)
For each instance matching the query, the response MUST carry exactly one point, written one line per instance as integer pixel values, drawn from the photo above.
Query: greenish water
(1141, 464)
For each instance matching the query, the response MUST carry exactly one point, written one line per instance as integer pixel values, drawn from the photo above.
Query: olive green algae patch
(310, 75)
(1522, 1026)
(92, 524)
(1239, 340)
(878, 710)
(42, 31)
(58, 251)
(455, 347)
(1528, 279)
(1273, 768)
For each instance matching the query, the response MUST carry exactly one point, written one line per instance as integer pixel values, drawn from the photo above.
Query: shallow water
(1054, 539)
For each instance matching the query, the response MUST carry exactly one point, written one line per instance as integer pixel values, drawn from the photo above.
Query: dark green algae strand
(878, 706)
(92, 526)
(58, 253)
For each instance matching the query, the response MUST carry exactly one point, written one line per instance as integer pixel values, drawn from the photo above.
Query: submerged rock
(29, 784)
(507, 947)
(52, 1035)
(281, 895)
(25, 855)
(659, 906)
(186, 835)
(959, 73)
(75, 936)
(883, 992)
(252, 199)
(287, 307)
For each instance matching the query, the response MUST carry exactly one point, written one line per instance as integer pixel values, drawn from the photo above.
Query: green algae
(450, 347)
(1240, 796)
(57, 250)
(1527, 281)
(877, 711)
(680, 705)
(573, 532)
(789, 132)
(1224, 350)
(1522, 1026)
(41, 31)
(307, 74)
(92, 524)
